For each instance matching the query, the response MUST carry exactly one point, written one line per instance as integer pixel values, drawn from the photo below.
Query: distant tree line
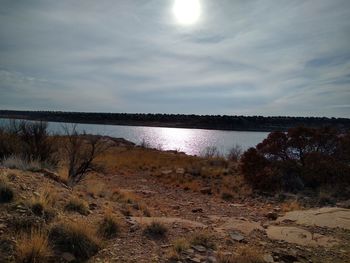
(220, 122)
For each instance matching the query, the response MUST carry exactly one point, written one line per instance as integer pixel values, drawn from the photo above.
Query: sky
(241, 57)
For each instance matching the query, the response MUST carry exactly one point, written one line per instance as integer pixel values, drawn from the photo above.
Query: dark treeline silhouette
(218, 122)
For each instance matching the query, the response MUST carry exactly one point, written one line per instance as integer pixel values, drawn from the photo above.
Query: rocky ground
(259, 227)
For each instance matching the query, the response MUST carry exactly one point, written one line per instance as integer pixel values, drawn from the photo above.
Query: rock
(332, 217)
(166, 172)
(345, 204)
(299, 236)
(197, 210)
(265, 225)
(165, 246)
(189, 251)
(241, 224)
(68, 257)
(236, 236)
(180, 170)
(197, 260)
(268, 258)
(272, 215)
(92, 206)
(205, 190)
(199, 248)
(212, 259)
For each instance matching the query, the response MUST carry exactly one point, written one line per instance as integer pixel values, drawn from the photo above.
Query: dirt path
(232, 224)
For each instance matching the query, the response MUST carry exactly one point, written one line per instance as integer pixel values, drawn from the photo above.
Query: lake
(190, 141)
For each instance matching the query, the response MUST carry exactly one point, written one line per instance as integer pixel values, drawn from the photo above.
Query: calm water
(190, 141)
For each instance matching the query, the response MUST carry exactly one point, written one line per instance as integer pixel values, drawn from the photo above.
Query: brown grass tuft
(33, 248)
(203, 238)
(77, 205)
(243, 255)
(77, 238)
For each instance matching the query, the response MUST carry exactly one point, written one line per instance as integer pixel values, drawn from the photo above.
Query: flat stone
(166, 172)
(68, 257)
(344, 204)
(205, 190)
(236, 236)
(268, 258)
(189, 251)
(167, 220)
(331, 217)
(180, 170)
(299, 236)
(199, 248)
(197, 260)
(245, 226)
(212, 259)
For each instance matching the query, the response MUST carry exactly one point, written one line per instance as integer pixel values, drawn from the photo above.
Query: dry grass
(109, 227)
(77, 205)
(95, 188)
(6, 191)
(77, 238)
(199, 172)
(25, 223)
(291, 206)
(121, 196)
(243, 255)
(33, 248)
(155, 230)
(203, 238)
(43, 204)
(16, 162)
(180, 245)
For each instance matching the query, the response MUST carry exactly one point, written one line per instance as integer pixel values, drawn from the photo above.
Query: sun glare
(187, 12)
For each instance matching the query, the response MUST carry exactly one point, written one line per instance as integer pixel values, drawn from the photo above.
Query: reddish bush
(301, 157)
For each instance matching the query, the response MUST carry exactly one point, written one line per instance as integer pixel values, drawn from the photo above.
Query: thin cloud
(244, 57)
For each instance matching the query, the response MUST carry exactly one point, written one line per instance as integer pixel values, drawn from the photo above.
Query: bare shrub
(30, 141)
(81, 151)
(145, 144)
(36, 142)
(9, 143)
(235, 153)
(211, 152)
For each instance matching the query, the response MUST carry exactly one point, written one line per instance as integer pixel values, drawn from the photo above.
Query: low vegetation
(242, 255)
(203, 238)
(76, 238)
(33, 248)
(155, 230)
(6, 192)
(77, 205)
(109, 227)
(301, 158)
(34, 222)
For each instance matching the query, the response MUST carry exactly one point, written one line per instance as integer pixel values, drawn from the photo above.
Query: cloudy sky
(249, 57)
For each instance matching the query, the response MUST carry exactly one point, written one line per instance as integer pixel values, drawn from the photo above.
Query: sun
(187, 12)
